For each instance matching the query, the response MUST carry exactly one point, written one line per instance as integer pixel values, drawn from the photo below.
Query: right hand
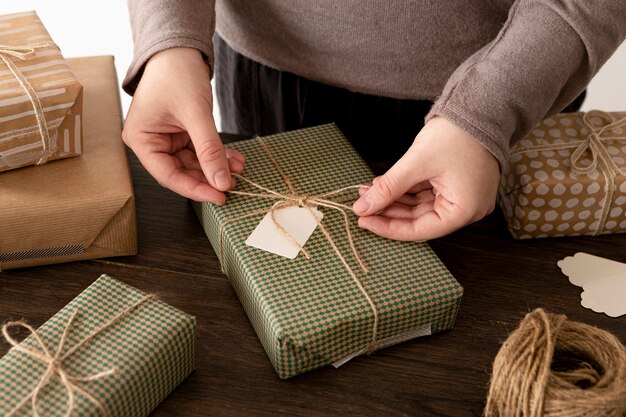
(170, 128)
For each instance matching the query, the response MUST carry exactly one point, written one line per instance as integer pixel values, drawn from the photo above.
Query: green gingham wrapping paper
(309, 313)
(152, 351)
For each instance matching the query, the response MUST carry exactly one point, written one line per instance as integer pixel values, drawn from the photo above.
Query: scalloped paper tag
(603, 282)
(583, 267)
(606, 295)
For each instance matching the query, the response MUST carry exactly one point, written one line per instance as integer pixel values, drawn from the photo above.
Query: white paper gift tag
(606, 295)
(297, 221)
(603, 282)
(583, 267)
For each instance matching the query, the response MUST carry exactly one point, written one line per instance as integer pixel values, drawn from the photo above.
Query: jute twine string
(54, 361)
(552, 367)
(601, 159)
(24, 52)
(293, 198)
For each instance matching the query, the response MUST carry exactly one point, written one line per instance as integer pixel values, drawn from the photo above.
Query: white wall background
(87, 27)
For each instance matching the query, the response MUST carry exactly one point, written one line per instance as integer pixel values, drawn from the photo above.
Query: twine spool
(554, 367)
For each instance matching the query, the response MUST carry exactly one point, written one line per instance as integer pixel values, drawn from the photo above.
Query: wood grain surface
(446, 374)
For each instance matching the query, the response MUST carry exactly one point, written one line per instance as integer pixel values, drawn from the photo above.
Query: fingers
(190, 163)
(235, 165)
(401, 211)
(388, 188)
(409, 199)
(209, 149)
(236, 160)
(182, 176)
(435, 220)
(421, 186)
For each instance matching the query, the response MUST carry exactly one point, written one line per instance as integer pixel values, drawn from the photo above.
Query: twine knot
(56, 364)
(54, 361)
(23, 52)
(302, 201)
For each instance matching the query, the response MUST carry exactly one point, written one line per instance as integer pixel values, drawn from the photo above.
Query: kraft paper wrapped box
(309, 313)
(28, 55)
(142, 356)
(566, 178)
(79, 208)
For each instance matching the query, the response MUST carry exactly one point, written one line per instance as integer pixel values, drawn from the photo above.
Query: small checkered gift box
(113, 351)
(310, 312)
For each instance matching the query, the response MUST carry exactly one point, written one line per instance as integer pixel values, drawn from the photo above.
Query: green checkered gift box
(310, 312)
(112, 351)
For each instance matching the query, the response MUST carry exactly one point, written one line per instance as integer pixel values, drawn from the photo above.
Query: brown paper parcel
(80, 208)
(29, 50)
(566, 178)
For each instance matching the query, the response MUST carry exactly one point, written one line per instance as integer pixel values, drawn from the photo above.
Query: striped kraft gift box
(41, 100)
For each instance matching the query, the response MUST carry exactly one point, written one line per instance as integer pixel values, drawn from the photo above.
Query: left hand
(445, 181)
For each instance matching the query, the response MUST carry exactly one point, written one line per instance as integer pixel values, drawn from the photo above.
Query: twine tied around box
(601, 159)
(292, 198)
(54, 360)
(24, 52)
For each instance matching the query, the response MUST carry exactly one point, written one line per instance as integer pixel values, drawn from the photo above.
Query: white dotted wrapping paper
(541, 196)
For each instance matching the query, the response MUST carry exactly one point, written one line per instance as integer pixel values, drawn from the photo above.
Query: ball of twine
(554, 367)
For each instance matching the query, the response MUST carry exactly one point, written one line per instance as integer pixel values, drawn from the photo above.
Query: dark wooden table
(446, 374)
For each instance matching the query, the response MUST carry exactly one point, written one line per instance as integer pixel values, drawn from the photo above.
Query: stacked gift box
(81, 206)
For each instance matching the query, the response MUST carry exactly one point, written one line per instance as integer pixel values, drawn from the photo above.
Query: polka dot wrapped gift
(567, 177)
(112, 351)
(315, 310)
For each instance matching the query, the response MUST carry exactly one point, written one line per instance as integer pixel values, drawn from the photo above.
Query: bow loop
(591, 144)
(594, 142)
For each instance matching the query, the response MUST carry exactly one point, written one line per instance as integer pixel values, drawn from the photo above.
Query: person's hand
(170, 128)
(445, 181)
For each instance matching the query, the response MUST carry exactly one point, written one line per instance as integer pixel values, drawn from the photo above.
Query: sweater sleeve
(158, 25)
(542, 59)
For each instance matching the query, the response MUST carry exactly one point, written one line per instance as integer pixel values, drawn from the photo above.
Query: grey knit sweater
(493, 67)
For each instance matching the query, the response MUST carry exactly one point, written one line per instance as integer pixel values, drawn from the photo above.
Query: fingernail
(222, 179)
(361, 205)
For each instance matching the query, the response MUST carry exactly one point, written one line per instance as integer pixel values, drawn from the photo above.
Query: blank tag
(606, 295)
(603, 282)
(583, 267)
(297, 221)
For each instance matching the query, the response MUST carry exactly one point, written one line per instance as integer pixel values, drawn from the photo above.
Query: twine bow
(55, 361)
(601, 160)
(23, 52)
(292, 198)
